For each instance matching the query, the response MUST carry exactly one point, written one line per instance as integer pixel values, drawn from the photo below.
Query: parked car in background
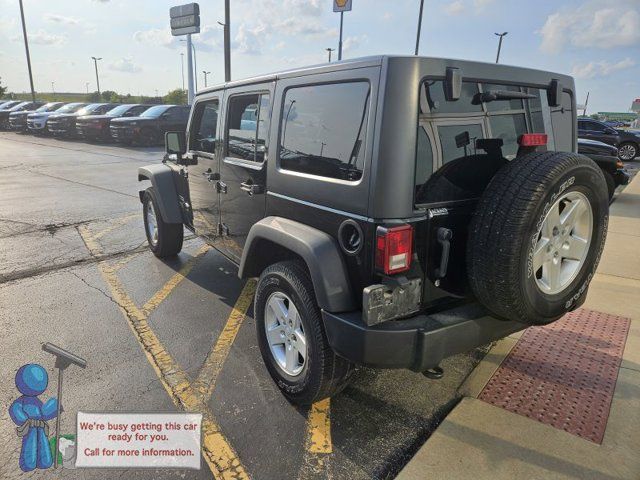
(606, 156)
(627, 143)
(20, 107)
(64, 124)
(18, 120)
(37, 121)
(6, 104)
(149, 128)
(96, 127)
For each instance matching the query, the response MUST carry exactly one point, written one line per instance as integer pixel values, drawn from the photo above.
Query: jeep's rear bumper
(418, 342)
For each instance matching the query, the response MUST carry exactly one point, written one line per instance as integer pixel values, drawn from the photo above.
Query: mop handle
(55, 465)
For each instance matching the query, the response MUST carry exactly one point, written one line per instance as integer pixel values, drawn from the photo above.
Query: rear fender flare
(161, 177)
(317, 249)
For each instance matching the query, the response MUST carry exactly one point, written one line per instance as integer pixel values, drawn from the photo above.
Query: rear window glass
(438, 103)
(323, 130)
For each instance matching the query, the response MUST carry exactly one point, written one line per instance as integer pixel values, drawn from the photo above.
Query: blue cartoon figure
(31, 415)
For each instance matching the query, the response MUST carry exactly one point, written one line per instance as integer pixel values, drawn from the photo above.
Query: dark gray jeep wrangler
(397, 210)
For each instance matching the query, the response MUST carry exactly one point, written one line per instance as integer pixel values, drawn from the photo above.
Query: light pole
(26, 47)
(182, 63)
(340, 42)
(501, 35)
(53, 90)
(419, 27)
(87, 85)
(330, 50)
(195, 60)
(95, 63)
(205, 77)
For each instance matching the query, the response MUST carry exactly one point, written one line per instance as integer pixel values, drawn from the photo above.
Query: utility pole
(419, 26)
(87, 85)
(584, 112)
(205, 77)
(330, 50)
(95, 62)
(501, 35)
(26, 47)
(340, 42)
(227, 41)
(53, 90)
(182, 63)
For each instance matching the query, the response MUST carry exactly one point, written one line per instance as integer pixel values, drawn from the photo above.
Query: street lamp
(87, 85)
(26, 47)
(53, 90)
(419, 26)
(330, 50)
(95, 62)
(501, 35)
(205, 77)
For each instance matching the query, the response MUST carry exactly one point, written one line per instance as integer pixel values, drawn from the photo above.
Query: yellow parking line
(117, 223)
(218, 453)
(319, 427)
(206, 380)
(173, 282)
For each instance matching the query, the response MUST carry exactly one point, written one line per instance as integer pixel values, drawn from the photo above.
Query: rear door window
(323, 129)
(247, 126)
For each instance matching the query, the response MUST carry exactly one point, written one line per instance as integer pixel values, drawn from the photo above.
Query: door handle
(251, 188)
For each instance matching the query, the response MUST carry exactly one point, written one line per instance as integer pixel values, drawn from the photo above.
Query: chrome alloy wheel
(627, 152)
(152, 223)
(285, 333)
(563, 242)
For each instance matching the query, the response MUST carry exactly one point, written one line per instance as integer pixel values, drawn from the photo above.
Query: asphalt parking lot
(171, 336)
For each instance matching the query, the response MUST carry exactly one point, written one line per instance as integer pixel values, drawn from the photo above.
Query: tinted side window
(203, 132)
(323, 129)
(424, 158)
(247, 126)
(135, 111)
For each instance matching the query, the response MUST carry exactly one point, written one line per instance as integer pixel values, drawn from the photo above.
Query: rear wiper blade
(493, 95)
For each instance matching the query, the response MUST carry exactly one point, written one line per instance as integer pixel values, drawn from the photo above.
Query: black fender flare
(319, 251)
(161, 177)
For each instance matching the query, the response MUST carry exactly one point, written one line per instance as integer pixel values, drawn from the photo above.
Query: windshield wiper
(493, 95)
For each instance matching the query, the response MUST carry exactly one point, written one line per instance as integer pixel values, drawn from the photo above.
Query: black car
(18, 120)
(64, 124)
(96, 127)
(20, 107)
(396, 210)
(149, 128)
(627, 143)
(606, 156)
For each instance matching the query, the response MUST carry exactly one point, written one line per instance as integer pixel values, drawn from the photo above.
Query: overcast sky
(596, 41)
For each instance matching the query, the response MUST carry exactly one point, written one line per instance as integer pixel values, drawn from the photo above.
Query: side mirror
(175, 143)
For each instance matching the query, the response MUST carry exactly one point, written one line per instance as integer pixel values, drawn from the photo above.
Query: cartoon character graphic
(31, 415)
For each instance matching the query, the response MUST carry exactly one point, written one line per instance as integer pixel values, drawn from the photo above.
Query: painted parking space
(179, 335)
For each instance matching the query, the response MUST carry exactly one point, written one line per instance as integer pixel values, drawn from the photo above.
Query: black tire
(506, 227)
(169, 235)
(629, 147)
(611, 184)
(324, 373)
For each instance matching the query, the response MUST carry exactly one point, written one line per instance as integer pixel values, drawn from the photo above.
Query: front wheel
(627, 151)
(291, 336)
(164, 239)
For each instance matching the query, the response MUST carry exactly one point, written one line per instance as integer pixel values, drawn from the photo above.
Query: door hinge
(221, 187)
(223, 230)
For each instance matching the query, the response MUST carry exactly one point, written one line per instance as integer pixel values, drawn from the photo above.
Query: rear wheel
(291, 336)
(537, 235)
(164, 239)
(627, 151)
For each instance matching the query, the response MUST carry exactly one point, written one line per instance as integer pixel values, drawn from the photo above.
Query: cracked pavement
(52, 290)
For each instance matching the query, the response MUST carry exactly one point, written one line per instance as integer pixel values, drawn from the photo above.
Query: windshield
(46, 107)
(71, 108)
(156, 111)
(119, 110)
(19, 106)
(89, 109)
(7, 105)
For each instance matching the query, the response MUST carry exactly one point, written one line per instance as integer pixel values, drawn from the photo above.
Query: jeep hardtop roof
(434, 66)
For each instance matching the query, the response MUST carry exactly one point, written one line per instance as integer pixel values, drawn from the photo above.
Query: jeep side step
(418, 343)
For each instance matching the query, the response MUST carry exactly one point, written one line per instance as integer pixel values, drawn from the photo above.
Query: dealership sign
(185, 19)
(341, 5)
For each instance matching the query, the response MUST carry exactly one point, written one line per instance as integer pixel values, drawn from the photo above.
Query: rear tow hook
(435, 373)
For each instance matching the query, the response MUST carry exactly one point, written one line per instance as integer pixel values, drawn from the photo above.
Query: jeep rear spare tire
(537, 235)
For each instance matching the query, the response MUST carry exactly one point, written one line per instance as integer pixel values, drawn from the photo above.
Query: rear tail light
(394, 249)
(532, 139)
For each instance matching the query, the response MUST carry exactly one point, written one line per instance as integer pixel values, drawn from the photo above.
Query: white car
(37, 121)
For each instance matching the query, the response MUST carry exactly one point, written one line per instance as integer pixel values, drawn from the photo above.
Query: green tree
(595, 116)
(3, 90)
(176, 97)
(93, 97)
(110, 96)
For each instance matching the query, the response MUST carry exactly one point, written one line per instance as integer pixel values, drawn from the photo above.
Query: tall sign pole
(26, 47)
(227, 41)
(501, 35)
(185, 20)
(341, 6)
(419, 27)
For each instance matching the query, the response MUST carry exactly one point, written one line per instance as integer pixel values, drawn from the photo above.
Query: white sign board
(138, 440)
(342, 5)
